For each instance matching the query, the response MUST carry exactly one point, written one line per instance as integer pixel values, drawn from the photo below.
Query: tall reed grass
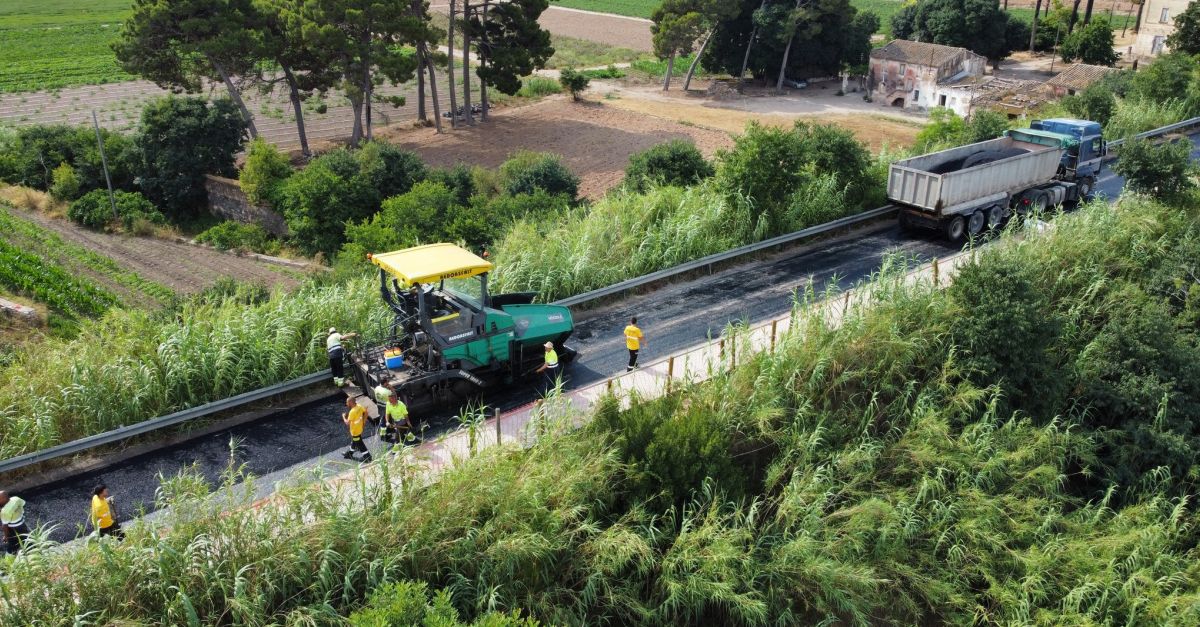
(1138, 115)
(131, 365)
(623, 235)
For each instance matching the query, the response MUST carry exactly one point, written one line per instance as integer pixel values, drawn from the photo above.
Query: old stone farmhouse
(916, 75)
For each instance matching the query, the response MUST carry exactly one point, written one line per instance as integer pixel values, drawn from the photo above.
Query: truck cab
(1084, 152)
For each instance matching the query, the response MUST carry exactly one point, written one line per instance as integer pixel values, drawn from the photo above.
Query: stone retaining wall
(226, 200)
(21, 312)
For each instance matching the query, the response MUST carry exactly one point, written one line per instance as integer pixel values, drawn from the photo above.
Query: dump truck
(966, 190)
(450, 339)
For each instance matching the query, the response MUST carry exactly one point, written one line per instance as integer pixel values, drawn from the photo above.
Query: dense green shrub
(460, 179)
(1091, 44)
(1166, 78)
(230, 235)
(1160, 170)
(1095, 103)
(677, 162)
(94, 209)
(538, 87)
(947, 130)
(794, 156)
(1008, 334)
(574, 82)
(527, 172)
(343, 186)
(180, 141)
(66, 183)
(32, 155)
(265, 170)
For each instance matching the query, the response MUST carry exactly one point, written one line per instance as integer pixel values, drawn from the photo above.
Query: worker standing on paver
(12, 521)
(549, 369)
(633, 342)
(103, 518)
(396, 425)
(356, 420)
(337, 354)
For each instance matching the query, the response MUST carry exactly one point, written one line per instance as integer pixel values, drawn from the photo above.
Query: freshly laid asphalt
(673, 317)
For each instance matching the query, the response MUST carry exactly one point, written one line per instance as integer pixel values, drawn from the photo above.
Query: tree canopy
(1092, 44)
(827, 38)
(1186, 37)
(980, 26)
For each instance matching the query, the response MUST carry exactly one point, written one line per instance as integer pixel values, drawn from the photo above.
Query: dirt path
(182, 267)
(875, 125)
(594, 138)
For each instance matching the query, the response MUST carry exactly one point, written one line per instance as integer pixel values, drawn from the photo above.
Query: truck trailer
(963, 191)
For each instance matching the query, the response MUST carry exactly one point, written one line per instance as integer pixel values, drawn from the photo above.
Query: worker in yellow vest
(12, 522)
(633, 342)
(103, 518)
(396, 424)
(549, 369)
(356, 420)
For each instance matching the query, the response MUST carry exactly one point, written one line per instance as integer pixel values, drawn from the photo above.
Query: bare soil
(594, 138)
(874, 125)
(182, 267)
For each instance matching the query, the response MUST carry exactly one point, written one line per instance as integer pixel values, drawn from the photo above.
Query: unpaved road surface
(594, 138)
(182, 267)
(617, 31)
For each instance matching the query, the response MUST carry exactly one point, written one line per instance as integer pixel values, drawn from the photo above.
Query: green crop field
(59, 43)
(632, 8)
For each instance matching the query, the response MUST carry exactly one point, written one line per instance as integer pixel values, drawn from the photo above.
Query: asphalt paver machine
(450, 340)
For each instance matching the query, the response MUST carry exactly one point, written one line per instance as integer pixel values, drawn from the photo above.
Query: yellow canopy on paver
(431, 263)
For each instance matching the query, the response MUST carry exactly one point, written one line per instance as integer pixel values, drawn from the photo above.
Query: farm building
(1076, 79)
(916, 75)
(1158, 22)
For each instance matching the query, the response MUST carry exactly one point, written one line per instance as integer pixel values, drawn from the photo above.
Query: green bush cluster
(179, 141)
(265, 171)
(529, 172)
(574, 82)
(676, 162)
(343, 186)
(95, 210)
(946, 130)
(31, 155)
(230, 235)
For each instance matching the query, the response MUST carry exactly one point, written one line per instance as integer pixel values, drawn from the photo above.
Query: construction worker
(633, 342)
(337, 354)
(103, 518)
(12, 521)
(356, 420)
(549, 369)
(396, 425)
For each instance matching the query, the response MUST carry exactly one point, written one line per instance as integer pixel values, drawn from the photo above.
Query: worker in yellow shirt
(103, 518)
(549, 368)
(356, 420)
(396, 425)
(633, 341)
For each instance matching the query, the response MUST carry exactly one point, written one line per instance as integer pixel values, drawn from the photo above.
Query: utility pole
(112, 200)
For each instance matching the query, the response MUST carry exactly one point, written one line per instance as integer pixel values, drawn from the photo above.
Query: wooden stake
(935, 271)
(499, 439)
(774, 330)
(670, 372)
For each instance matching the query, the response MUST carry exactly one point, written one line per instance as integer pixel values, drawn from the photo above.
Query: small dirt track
(595, 139)
(182, 267)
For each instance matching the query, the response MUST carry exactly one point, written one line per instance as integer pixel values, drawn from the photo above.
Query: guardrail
(1170, 128)
(728, 255)
(116, 435)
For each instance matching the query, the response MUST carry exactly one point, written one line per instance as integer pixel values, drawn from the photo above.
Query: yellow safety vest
(633, 336)
(551, 359)
(358, 418)
(397, 411)
(102, 516)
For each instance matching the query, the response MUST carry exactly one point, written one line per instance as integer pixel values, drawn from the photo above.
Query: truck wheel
(1085, 185)
(995, 216)
(976, 223)
(956, 229)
